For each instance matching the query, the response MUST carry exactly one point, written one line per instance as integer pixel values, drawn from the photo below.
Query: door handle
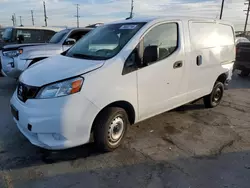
(178, 64)
(199, 60)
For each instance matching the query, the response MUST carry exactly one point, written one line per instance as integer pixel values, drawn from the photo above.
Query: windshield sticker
(128, 27)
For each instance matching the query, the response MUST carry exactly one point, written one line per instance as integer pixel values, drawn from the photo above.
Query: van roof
(158, 19)
(39, 28)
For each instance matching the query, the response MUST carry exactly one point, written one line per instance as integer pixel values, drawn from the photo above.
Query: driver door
(161, 83)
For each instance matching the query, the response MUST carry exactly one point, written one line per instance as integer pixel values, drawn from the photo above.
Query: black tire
(105, 127)
(214, 98)
(244, 73)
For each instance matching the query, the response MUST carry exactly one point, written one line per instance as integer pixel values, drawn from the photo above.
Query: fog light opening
(29, 127)
(58, 136)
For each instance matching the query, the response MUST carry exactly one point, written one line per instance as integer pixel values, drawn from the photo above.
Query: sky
(62, 12)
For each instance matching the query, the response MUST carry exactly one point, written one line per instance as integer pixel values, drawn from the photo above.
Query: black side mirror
(20, 38)
(150, 55)
(70, 41)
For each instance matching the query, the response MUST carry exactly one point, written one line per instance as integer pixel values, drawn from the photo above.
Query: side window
(48, 35)
(159, 43)
(133, 61)
(78, 35)
(30, 36)
(165, 38)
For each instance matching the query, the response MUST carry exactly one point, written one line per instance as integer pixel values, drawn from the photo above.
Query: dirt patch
(201, 140)
(171, 130)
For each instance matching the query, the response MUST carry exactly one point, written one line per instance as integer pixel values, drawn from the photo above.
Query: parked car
(240, 40)
(17, 58)
(24, 35)
(242, 63)
(120, 74)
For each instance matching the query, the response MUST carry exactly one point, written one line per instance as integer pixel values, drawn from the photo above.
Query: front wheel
(214, 98)
(110, 128)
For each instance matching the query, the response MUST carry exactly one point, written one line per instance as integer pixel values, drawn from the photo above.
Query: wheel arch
(127, 106)
(222, 78)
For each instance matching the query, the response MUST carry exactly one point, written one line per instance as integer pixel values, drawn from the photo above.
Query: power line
(248, 9)
(221, 10)
(77, 15)
(32, 16)
(45, 14)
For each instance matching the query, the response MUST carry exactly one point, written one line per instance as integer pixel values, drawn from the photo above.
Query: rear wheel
(110, 128)
(214, 98)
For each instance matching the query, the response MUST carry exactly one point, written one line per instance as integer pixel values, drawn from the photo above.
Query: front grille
(25, 92)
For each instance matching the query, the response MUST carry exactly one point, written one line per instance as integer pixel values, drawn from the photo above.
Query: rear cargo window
(208, 35)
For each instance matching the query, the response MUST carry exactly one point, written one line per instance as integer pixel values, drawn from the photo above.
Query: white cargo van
(119, 74)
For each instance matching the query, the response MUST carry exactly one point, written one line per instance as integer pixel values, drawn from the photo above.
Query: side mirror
(150, 55)
(20, 38)
(70, 41)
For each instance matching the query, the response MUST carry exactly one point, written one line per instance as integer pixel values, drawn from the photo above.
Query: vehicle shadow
(38, 156)
(239, 82)
(7, 84)
(189, 107)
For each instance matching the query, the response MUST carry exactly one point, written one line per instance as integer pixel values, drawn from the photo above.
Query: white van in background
(119, 74)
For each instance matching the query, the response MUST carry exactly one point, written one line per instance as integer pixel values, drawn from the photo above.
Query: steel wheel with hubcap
(116, 130)
(110, 127)
(214, 98)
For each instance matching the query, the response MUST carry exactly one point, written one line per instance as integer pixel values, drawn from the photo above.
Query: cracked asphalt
(189, 147)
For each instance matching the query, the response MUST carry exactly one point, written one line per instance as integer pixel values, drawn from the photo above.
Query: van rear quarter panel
(215, 43)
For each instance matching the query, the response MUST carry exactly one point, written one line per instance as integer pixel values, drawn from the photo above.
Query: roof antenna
(131, 11)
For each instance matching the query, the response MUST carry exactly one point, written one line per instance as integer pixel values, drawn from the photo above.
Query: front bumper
(57, 123)
(13, 67)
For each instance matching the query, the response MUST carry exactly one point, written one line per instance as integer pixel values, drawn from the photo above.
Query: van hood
(57, 68)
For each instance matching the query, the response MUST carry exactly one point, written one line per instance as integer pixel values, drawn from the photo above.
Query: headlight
(13, 53)
(60, 89)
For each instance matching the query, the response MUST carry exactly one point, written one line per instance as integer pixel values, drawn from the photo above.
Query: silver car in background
(16, 58)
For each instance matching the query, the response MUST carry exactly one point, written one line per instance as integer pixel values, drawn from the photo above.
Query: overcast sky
(61, 12)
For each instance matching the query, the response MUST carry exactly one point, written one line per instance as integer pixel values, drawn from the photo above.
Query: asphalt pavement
(188, 147)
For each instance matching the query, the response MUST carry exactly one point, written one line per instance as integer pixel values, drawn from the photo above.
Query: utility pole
(13, 20)
(248, 9)
(21, 24)
(77, 15)
(32, 16)
(221, 10)
(45, 14)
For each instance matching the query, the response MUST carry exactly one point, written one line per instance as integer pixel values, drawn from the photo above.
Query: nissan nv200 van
(120, 74)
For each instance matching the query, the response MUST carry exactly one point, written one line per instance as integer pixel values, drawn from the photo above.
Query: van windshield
(7, 34)
(59, 36)
(105, 41)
